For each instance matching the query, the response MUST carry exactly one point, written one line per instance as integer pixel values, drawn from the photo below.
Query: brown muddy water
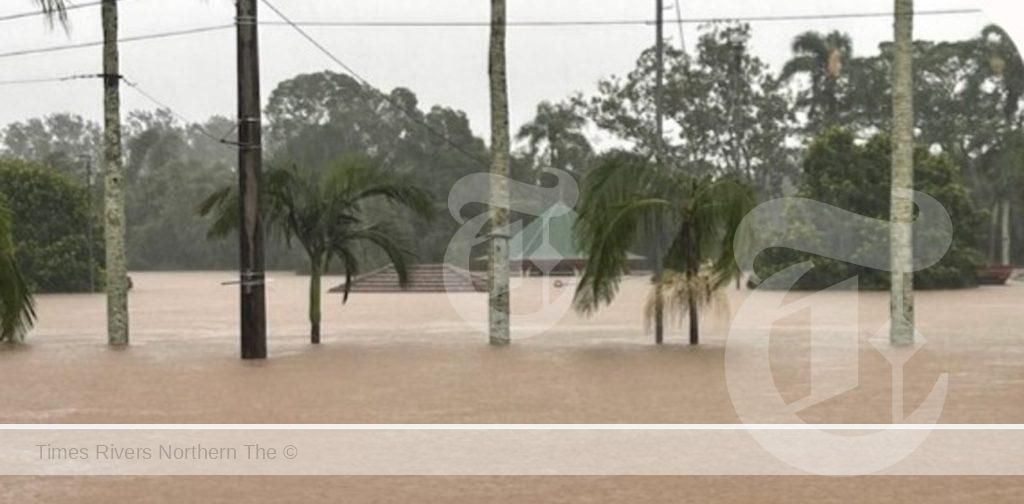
(411, 358)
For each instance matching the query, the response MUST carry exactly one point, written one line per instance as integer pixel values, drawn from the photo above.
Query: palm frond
(675, 289)
(223, 206)
(622, 198)
(17, 309)
(54, 10)
(384, 237)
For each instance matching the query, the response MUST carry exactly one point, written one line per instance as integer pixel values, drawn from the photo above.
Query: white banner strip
(457, 452)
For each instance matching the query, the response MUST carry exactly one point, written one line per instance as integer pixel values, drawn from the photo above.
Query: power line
(135, 87)
(124, 40)
(366, 83)
(188, 123)
(41, 80)
(469, 24)
(618, 22)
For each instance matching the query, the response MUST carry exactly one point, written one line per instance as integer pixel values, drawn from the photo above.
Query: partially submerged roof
(422, 278)
(550, 239)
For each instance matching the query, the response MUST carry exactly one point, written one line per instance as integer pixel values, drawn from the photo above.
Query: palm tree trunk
(694, 322)
(993, 229)
(1006, 234)
(689, 238)
(114, 217)
(498, 301)
(902, 299)
(314, 301)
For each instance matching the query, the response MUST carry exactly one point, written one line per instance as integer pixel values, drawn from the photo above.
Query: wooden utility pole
(250, 160)
(113, 193)
(659, 158)
(498, 300)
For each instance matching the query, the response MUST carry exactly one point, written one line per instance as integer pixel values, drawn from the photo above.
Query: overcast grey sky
(195, 74)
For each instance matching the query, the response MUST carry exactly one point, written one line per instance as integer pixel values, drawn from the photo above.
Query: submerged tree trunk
(694, 321)
(315, 273)
(993, 229)
(689, 238)
(114, 217)
(498, 301)
(902, 295)
(1006, 233)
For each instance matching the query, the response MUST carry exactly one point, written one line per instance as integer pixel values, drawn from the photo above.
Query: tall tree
(901, 242)
(498, 301)
(727, 114)
(820, 57)
(555, 138)
(1006, 65)
(113, 199)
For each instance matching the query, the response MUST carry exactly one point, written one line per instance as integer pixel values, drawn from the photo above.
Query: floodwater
(413, 358)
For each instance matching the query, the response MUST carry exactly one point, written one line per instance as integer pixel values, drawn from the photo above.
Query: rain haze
(194, 74)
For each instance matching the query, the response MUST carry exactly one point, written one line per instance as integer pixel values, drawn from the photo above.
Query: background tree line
(727, 114)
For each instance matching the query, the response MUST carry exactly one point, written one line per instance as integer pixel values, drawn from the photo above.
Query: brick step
(422, 278)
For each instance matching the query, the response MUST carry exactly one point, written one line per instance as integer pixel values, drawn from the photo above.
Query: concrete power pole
(659, 158)
(114, 184)
(902, 236)
(250, 161)
(498, 299)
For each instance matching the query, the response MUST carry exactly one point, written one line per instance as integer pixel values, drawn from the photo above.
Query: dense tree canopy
(50, 217)
(841, 172)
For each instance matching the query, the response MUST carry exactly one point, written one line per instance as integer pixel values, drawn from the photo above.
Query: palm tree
(555, 138)
(326, 214)
(821, 57)
(498, 297)
(53, 9)
(17, 312)
(16, 307)
(113, 195)
(1006, 65)
(901, 329)
(623, 195)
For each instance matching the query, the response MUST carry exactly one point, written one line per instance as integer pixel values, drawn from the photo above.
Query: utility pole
(659, 159)
(499, 325)
(113, 192)
(901, 329)
(88, 224)
(250, 160)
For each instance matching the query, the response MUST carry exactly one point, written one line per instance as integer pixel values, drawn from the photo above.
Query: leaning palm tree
(16, 307)
(326, 213)
(820, 57)
(623, 196)
(1006, 65)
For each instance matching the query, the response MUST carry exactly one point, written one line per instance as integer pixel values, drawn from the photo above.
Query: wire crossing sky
(184, 50)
